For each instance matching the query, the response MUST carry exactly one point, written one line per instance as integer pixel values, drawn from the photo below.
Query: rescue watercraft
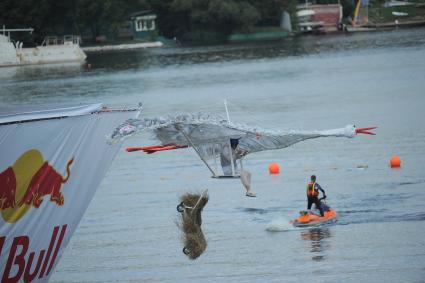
(309, 218)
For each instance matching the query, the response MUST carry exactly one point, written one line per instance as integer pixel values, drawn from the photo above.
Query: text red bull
(27, 268)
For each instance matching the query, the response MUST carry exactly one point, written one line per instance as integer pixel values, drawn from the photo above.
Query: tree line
(175, 18)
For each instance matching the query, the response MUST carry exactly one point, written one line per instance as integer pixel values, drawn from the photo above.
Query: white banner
(49, 172)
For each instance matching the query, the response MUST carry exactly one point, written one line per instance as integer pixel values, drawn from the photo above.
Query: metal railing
(48, 40)
(67, 39)
(6, 31)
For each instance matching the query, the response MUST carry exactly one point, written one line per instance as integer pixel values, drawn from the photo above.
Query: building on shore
(320, 18)
(138, 26)
(143, 24)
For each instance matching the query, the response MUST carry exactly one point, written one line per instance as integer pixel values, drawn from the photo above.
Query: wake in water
(279, 224)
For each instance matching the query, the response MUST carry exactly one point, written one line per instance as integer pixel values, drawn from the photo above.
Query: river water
(129, 233)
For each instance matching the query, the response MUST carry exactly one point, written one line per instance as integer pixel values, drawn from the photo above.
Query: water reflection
(8, 72)
(319, 243)
(289, 47)
(171, 57)
(34, 72)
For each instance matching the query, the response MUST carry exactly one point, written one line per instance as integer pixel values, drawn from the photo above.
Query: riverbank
(260, 34)
(396, 24)
(405, 14)
(128, 46)
(369, 27)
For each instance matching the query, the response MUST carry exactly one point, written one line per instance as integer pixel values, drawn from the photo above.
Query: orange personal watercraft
(309, 218)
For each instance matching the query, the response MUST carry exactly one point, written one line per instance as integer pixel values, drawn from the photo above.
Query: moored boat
(53, 50)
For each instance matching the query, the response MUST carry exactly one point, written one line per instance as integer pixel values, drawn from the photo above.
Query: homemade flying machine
(220, 144)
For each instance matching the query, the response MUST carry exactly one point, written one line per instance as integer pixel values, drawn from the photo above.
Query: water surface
(128, 233)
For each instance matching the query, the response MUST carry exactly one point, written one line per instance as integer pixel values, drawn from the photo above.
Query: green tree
(101, 16)
(175, 17)
(348, 7)
(24, 14)
(232, 15)
(223, 16)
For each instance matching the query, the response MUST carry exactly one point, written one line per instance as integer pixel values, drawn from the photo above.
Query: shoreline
(396, 24)
(128, 46)
(258, 36)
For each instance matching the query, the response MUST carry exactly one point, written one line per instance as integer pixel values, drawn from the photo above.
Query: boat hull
(68, 52)
(309, 219)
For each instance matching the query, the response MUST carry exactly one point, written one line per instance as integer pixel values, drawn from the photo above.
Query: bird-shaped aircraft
(220, 144)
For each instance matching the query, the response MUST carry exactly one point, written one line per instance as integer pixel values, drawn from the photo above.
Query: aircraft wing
(206, 133)
(197, 133)
(199, 128)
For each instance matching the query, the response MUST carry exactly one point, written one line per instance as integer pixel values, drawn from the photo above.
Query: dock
(130, 46)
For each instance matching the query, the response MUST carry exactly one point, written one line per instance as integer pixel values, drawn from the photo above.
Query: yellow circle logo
(27, 182)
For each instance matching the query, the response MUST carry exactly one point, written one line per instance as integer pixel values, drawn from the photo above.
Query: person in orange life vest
(313, 194)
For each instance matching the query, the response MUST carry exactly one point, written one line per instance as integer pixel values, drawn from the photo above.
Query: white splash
(279, 224)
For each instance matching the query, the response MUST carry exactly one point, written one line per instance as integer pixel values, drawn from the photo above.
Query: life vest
(311, 190)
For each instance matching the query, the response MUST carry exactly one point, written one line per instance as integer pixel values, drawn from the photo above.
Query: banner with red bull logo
(50, 168)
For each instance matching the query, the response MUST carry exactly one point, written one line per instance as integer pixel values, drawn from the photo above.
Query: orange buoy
(274, 168)
(395, 161)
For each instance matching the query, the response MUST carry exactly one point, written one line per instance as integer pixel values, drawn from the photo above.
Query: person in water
(313, 194)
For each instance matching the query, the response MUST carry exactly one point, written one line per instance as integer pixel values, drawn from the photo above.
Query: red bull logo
(7, 188)
(38, 264)
(28, 182)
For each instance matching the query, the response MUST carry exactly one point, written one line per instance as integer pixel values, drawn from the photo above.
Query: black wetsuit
(315, 200)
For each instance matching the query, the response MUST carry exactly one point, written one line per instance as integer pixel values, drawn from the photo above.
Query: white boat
(305, 13)
(321, 18)
(305, 20)
(52, 162)
(394, 3)
(53, 50)
(399, 14)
